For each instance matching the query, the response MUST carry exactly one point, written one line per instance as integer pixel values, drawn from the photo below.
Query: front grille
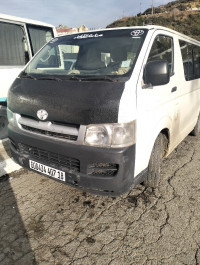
(52, 159)
(48, 133)
(103, 169)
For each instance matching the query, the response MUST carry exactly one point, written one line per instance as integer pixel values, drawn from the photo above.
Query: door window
(162, 49)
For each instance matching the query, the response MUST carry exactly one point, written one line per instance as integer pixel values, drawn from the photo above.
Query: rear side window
(13, 45)
(162, 49)
(191, 60)
(39, 36)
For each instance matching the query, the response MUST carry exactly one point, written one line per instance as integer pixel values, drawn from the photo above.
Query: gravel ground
(45, 222)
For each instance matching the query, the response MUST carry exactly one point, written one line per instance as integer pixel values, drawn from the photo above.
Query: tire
(153, 175)
(196, 129)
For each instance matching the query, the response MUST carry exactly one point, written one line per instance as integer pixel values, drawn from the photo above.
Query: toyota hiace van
(99, 110)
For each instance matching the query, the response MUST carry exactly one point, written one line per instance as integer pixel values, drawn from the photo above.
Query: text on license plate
(49, 171)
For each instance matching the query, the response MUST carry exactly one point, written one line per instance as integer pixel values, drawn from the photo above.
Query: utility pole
(152, 8)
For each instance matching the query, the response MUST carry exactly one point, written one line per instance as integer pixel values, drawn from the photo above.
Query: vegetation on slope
(182, 16)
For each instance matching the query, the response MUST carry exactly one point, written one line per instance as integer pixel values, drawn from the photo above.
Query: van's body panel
(178, 110)
(75, 105)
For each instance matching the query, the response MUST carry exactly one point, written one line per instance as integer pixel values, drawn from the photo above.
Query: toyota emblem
(137, 33)
(42, 114)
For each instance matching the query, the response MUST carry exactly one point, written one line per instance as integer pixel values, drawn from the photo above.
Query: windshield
(108, 53)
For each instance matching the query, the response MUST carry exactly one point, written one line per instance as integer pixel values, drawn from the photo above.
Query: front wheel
(153, 175)
(196, 129)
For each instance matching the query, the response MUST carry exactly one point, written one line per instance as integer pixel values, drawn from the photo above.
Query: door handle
(174, 89)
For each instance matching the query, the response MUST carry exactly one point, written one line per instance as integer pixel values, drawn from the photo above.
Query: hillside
(182, 16)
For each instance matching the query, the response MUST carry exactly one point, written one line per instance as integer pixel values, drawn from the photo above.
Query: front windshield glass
(108, 53)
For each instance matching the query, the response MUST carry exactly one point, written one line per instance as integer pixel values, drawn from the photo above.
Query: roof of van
(149, 27)
(23, 20)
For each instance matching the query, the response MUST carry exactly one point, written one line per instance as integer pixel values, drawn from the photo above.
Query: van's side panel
(157, 109)
(189, 98)
(173, 107)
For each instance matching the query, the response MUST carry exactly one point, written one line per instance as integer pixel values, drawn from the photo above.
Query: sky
(73, 13)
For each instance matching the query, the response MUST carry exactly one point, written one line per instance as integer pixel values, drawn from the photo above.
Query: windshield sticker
(126, 63)
(85, 36)
(54, 40)
(137, 33)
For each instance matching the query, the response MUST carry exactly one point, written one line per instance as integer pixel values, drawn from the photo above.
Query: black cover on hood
(76, 102)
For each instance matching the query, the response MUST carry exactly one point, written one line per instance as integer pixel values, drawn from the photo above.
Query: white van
(20, 39)
(104, 126)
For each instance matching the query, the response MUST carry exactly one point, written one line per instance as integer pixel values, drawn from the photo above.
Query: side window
(39, 36)
(196, 54)
(13, 45)
(162, 49)
(191, 60)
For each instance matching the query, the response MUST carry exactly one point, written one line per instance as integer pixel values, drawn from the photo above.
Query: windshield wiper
(49, 78)
(25, 75)
(99, 78)
(74, 78)
(58, 78)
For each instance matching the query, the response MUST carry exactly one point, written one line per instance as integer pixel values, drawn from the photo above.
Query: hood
(75, 102)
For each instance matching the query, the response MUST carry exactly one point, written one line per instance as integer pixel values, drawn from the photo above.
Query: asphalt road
(45, 222)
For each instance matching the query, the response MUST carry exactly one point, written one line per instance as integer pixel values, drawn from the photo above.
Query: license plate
(49, 171)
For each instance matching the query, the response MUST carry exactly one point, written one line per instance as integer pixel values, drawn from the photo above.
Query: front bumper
(40, 147)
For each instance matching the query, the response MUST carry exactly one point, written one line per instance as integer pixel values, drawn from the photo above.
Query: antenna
(152, 8)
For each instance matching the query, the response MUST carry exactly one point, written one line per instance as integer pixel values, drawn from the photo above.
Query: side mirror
(157, 73)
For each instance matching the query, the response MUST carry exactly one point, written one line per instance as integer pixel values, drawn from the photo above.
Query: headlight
(110, 135)
(10, 116)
